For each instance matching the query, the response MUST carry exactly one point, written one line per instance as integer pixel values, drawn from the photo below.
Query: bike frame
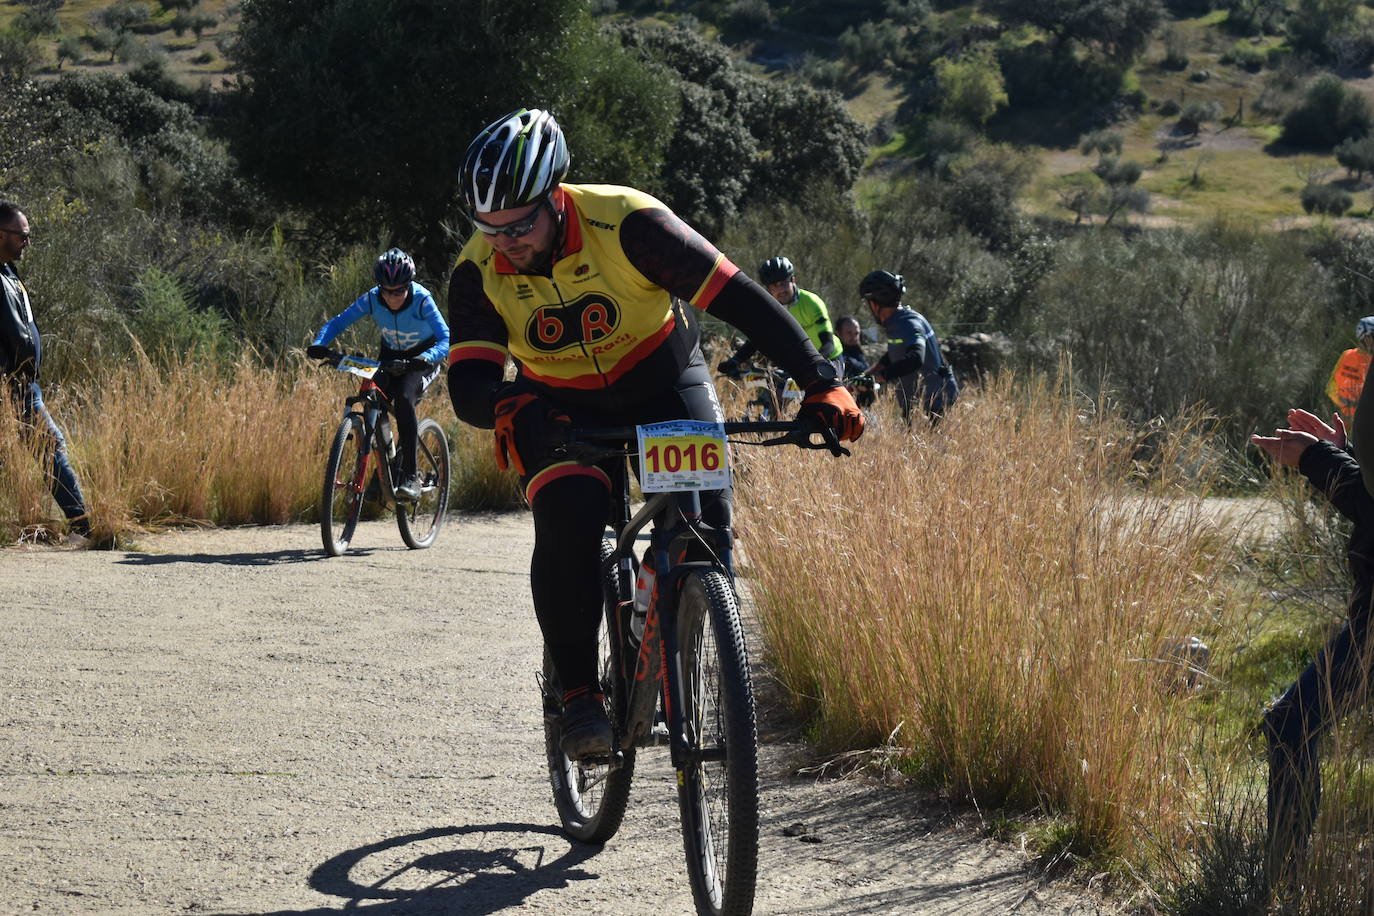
(370, 405)
(679, 543)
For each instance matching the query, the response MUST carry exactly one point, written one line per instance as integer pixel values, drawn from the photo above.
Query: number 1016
(703, 456)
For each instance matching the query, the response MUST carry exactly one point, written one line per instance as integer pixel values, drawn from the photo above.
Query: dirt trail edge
(228, 722)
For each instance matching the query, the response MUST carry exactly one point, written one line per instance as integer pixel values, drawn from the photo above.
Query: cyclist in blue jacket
(913, 362)
(414, 346)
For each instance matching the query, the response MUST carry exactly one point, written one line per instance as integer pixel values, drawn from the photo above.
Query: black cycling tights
(569, 517)
(405, 391)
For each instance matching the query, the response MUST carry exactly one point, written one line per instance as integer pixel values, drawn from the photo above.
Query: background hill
(1239, 61)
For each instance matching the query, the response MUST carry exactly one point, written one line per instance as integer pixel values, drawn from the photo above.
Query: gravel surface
(228, 722)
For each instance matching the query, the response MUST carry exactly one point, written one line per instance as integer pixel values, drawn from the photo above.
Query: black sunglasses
(517, 229)
(22, 235)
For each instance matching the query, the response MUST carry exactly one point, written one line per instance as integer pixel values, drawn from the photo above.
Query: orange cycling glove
(522, 431)
(835, 408)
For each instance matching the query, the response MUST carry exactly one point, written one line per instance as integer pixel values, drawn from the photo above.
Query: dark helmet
(883, 287)
(775, 270)
(514, 162)
(393, 268)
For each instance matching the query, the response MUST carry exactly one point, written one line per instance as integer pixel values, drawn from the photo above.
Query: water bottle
(644, 593)
(384, 423)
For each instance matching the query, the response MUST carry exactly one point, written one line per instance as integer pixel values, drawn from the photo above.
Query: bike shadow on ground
(484, 869)
(251, 558)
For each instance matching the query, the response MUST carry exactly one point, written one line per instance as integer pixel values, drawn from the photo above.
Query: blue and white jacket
(417, 331)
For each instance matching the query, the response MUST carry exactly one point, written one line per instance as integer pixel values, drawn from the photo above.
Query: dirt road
(230, 723)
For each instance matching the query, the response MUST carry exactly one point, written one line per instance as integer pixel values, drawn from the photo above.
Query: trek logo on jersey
(600, 225)
(587, 319)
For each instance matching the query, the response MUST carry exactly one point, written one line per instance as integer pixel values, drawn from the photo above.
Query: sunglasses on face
(22, 235)
(393, 290)
(517, 229)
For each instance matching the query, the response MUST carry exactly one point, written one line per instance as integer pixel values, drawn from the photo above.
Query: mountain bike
(364, 440)
(674, 669)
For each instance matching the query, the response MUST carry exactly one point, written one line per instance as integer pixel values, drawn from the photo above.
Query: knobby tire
(590, 796)
(719, 796)
(341, 500)
(421, 520)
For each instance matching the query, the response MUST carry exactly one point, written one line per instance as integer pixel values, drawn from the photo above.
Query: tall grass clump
(998, 598)
(197, 442)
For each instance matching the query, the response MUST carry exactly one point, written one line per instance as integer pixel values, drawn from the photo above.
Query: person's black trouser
(571, 507)
(1336, 682)
(405, 391)
(62, 479)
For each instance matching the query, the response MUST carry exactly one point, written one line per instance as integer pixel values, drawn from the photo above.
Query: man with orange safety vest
(1347, 379)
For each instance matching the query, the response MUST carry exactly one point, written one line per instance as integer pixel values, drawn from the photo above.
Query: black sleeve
(472, 387)
(1336, 473)
(17, 346)
(771, 328)
(673, 255)
(474, 326)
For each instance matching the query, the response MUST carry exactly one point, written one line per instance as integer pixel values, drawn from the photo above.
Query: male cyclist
(415, 341)
(1347, 378)
(913, 362)
(594, 290)
(779, 277)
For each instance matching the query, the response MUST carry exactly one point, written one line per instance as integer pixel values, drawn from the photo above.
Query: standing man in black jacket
(1337, 680)
(20, 356)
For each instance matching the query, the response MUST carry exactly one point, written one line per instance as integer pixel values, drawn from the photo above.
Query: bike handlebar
(794, 432)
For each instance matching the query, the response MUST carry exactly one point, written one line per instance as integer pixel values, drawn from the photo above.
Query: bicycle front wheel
(345, 476)
(590, 794)
(420, 521)
(718, 784)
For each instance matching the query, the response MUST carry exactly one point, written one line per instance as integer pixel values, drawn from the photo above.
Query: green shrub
(1326, 200)
(1329, 112)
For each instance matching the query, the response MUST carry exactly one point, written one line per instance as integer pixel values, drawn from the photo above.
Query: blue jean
(65, 488)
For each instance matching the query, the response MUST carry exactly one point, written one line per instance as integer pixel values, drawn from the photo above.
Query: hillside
(1230, 167)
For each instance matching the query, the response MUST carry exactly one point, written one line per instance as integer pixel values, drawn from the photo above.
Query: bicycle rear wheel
(590, 794)
(420, 521)
(345, 476)
(718, 785)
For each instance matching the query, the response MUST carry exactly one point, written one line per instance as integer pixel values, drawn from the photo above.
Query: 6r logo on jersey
(584, 320)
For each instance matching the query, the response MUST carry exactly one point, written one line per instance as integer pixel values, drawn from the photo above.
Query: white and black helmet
(1364, 332)
(514, 162)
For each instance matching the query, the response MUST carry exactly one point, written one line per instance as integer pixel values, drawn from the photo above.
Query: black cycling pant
(404, 392)
(1335, 683)
(570, 517)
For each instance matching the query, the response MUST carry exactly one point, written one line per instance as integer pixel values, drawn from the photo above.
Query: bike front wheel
(590, 794)
(718, 782)
(420, 521)
(345, 477)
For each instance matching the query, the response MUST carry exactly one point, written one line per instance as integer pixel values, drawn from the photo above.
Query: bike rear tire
(341, 499)
(718, 783)
(590, 795)
(421, 520)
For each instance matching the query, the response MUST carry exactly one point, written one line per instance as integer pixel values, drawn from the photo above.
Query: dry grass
(994, 596)
(197, 443)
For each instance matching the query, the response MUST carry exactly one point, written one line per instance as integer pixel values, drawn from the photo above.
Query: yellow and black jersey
(610, 323)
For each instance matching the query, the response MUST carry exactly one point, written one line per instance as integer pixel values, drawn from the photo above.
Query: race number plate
(683, 455)
(359, 366)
